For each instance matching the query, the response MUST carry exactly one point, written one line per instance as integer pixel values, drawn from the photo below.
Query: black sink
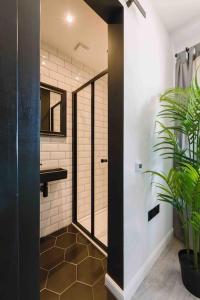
(52, 175)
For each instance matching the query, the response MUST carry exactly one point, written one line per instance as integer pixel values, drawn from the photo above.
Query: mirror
(53, 110)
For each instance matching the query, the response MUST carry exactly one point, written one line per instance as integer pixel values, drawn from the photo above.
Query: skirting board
(129, 292)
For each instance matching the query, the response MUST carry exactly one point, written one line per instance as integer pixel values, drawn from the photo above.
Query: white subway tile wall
(62, 71)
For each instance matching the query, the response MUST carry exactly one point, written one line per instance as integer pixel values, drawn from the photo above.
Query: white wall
(148, 72)
(186, 36)
(61, 70)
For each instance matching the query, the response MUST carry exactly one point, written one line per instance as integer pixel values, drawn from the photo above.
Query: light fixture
(69, 19)
(43, 63)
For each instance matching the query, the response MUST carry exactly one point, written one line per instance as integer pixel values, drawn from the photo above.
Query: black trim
(91, 81)
(74, 157)
(19, 150)
(116, 152)
(9, 217)
(29, 146)
(98, 242)
(63, 111)
(52, 114)
(139, 6)
(109, 10)
(93, 158)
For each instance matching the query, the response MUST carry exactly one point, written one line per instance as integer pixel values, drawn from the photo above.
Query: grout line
(47, 280)
(53, 291)
(84, 283)
(47, 250)
(67, 288)
(90, 240)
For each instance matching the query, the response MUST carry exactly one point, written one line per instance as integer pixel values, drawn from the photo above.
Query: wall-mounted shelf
(50, 175)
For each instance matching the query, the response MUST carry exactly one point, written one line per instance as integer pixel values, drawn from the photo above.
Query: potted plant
(180, 186)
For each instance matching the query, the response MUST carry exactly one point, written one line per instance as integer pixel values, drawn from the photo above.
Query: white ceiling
(176, 13)
(87, 28)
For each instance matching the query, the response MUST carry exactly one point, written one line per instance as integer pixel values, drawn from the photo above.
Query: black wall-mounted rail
(139, 6)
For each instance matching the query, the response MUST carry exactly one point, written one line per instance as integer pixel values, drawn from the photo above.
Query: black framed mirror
(53, 110)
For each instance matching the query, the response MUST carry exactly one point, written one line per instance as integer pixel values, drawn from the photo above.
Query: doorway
(20, 189)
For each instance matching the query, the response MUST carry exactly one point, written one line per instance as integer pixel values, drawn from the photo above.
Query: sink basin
(52, 175)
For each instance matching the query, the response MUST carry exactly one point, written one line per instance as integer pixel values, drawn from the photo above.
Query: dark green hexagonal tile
(66, 240)
(61, 277)
(72, 229)
(59, 232)
(51, 258)
(76, 253)
(90, 270)
(82, 240)
(43, 278)
(46, 243)
(48, 295)
(94, 252)
(77, 292)
(101, 292)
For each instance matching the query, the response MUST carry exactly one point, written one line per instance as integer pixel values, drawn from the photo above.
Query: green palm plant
(180, 187)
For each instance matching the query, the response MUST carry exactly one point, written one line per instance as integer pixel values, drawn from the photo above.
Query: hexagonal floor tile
(76, 253)
(94, 252)
(77, 292)
(51, 258)
(72, 229)
(59, 232)
(47, 295)
(46, 243)
(66, 240)
(82, 240)
(61, 277)
(90, 270)
(43, 278)
(101, 292)
(105, 263)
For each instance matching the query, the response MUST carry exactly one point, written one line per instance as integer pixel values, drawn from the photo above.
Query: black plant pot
(190, 277)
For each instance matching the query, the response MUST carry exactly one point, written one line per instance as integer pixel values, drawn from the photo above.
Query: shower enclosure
(90, 158)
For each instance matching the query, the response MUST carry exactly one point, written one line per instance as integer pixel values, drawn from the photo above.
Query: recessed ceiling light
(43, 63)
(69, 19)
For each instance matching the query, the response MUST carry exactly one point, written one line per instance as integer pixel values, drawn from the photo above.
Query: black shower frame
(91, 233)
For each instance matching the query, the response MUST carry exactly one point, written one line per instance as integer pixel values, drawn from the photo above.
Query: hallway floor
(71, 268)
(164, 281)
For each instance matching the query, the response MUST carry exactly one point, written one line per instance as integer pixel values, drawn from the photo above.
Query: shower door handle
(104, 160)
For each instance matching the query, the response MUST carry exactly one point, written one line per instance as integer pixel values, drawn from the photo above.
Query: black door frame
(20, 144)
(20, 149)
(112, 12)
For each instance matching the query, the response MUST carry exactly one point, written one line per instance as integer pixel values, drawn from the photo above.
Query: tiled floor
(71, 268)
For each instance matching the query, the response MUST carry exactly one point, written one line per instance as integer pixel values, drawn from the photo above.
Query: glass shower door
(84, 158)
(90, 162)
(101, 160)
